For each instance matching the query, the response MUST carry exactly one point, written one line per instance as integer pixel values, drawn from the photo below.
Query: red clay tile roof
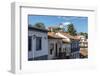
(53, 35)
(70, 36)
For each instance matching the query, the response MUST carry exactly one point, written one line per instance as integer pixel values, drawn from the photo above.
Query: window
(30, 43)
(60, 49)
(71, 45)
(65, 49)
(51, 48)
(38, 43)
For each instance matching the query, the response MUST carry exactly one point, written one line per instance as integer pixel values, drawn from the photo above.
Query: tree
(84, 34)
(81, 33)
(71, 29)
(40, 25)
(57, 29)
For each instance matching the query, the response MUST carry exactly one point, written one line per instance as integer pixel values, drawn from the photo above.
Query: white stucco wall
(51, 41)
(44, 48)
(54, 41)
(68, 48)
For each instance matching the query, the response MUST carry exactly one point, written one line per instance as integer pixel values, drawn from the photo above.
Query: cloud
(70, 18)
(66, 23)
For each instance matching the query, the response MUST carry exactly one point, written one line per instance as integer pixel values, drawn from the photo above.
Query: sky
(80, 23)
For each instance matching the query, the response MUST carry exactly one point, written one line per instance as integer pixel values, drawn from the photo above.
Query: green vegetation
(57, 29)
(71, 29)
(40, 25)
(84, 34)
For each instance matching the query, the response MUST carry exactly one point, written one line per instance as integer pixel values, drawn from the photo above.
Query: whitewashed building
(66, 46)
(54, 45)
(73, 46)
(83, 46)
(83, 41)
(37, 44)
(59, 45)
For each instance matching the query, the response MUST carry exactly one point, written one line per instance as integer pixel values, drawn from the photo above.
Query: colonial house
(54, 45)
(73, 46)
(83, 47)
(66, 46)
(37, 44)
(83, 41)
(44, 45)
